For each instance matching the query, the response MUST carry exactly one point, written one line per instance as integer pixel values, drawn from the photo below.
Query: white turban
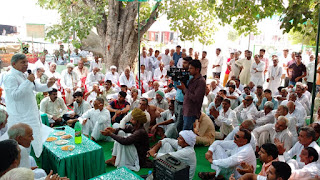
(113, 67)
(189, 136)
(70, 65)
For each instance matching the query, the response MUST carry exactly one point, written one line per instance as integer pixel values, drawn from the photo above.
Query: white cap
(70, 65)
(113, 67)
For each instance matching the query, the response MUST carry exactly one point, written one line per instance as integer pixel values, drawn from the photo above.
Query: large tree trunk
(118, 34)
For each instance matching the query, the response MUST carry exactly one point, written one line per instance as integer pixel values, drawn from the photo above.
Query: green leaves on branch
(194, 19)
(77, 18)
(244, 15)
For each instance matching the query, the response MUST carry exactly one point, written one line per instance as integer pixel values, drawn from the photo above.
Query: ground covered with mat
(202, 164)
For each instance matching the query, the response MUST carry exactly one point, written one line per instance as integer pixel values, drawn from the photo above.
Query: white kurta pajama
(69, 81)
(157, 76)
(96, 121)
(22, 105)
(296, 151)
(274, 74)
(257, 75)
(226, 121)
(114, 78)
(227, 162)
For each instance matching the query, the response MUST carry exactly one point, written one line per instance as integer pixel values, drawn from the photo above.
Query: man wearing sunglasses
(246, 110)
(225, 164)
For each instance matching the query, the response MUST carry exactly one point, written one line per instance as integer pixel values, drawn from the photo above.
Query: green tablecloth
(122, 173)
(84, 162)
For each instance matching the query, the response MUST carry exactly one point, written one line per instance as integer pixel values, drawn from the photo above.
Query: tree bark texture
(117, 38)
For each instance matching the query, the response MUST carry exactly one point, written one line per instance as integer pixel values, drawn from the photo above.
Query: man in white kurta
(20, 99)
(94, 77)
(145, 77)
(226, 162)
(266, 116)
(146, 61)
(127, 79)
(165, 58)
(245, 66)
(257, 71)
(226, 119)
(22, 133)
(248, 125)
(309, 156)
(181, 148)
(41, 63)
(274, 76)
(113, 76)
(95, 63)
(270, 132)
(95, 120)
(70, 81)
(160, 75)
(305, 140)
(246, 110)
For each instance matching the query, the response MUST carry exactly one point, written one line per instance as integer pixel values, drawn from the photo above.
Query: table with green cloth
(84, 162)
(119, 174)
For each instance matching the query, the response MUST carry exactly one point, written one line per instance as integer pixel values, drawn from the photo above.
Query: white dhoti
(126, 155)
(273, 85)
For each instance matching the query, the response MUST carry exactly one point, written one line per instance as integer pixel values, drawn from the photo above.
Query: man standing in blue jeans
(178, 106)
(298, 71)
(193, 95)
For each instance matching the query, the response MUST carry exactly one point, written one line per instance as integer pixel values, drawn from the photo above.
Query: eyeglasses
(247, 99)
(237, 136)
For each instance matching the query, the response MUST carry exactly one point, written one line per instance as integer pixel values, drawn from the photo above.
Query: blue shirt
(264, 100)
(176, 57)
(179, 94)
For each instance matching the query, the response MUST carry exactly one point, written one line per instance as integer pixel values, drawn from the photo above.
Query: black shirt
(297, 70)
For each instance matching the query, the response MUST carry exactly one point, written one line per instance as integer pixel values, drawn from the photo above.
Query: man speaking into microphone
(193, 95)
(20, 98)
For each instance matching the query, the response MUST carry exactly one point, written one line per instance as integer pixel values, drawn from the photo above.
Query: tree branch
(151, 20)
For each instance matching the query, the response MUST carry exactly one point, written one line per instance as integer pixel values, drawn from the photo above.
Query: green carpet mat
(202, 164)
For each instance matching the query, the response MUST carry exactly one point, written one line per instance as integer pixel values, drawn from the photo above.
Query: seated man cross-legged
(94, 120)
(182, 149)
(131, 143)
(225, 163)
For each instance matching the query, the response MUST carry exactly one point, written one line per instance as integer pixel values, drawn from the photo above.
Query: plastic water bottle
(77, 134)
(150, 175)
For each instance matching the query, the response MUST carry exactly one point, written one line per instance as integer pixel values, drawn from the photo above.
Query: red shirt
(227, 71)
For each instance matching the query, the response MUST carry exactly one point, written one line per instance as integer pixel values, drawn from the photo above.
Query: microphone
(30, 72)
